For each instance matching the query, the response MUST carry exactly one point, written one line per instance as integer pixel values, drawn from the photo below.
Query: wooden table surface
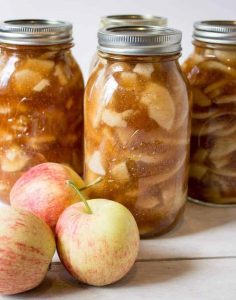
(196, 261)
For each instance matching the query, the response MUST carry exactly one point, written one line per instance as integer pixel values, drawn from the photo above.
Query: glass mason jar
(127, 20)
(137, 125)
(41, 98)
(211, 71)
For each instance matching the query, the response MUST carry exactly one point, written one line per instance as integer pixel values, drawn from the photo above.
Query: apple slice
(159, 104)
(205, 114)
(14, 159)
(43, 66)
(128, 80)
(60, 74)
(145, 69)
(200, 99)
(224, 172)
(218, 66)
(227, 57)
(201, 128)
(166, 174)
(5, 109)
(225, 99)
(228, 129)
(197, 171)
(41, 85)
(6, 136)
(20, 124)
(217, 85)
(222, 148)
(40, 141)
(118, 67)
(25, 80)
(200, 155)
(115, 119)
(120, 172)
(95, 163)
(220, 162)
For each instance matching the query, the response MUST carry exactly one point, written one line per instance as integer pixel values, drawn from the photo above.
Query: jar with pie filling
(126, 20)
(41, 98)
(211, 71)
(137, 125)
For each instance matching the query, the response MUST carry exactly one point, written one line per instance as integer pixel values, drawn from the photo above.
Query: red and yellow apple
(27, 246)
(43, 191)
(97, 246)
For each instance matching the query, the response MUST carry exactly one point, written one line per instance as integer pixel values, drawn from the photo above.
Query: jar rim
(139, 40)
(215, 31)
(132, 19)
(35, 32)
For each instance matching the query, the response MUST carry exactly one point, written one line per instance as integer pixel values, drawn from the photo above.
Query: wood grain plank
(166, 280)
(204, 232)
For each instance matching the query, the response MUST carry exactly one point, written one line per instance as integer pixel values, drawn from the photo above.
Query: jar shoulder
(30, 72)
(136, 76)
(204, 59)
(137, 95)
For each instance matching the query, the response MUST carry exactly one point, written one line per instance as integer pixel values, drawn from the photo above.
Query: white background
(85, 15)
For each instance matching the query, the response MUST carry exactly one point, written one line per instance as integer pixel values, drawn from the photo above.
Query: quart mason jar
(127, 20)
(41, 98)
(211, 71)
(137, 125)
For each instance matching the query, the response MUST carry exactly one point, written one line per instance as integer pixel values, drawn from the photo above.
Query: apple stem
(96, 181)
(71, 183)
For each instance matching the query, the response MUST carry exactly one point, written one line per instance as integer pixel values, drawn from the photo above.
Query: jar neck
(134, 58)
(21, 49)
(201, 47)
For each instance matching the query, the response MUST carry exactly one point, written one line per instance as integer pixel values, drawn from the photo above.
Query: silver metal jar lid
(214, 31)
(126, 20)
(139, 40)
(35, 32)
